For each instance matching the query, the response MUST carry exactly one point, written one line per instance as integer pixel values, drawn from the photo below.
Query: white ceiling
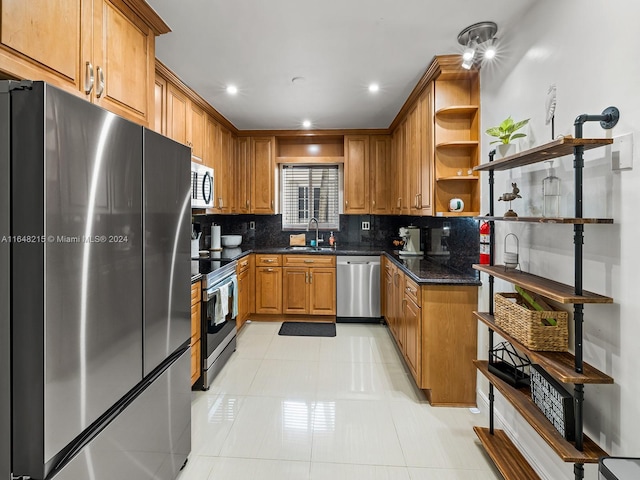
(338, 46)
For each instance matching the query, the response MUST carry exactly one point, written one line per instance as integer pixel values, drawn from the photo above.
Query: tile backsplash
(462, 243)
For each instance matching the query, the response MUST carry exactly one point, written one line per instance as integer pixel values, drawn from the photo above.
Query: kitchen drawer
(266, 260)
(195, 322)
(309, 260)
(195, 292)
(243, 265)
(412, 290)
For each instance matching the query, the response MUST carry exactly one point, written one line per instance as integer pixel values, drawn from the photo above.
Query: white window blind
(310, 191)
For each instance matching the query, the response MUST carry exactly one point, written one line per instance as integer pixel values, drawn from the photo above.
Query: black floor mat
(308, 329)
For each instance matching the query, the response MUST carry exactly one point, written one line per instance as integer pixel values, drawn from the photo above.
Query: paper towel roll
(215, 237)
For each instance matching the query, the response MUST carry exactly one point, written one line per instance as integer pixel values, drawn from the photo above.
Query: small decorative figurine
(509, 197)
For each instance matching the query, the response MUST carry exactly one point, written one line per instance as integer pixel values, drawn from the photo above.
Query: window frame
(323, 226)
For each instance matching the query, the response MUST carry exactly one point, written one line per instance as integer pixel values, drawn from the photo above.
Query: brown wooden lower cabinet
(195, 331)
(302, 285)
(269, 290)
(246, 289)
(434, 328)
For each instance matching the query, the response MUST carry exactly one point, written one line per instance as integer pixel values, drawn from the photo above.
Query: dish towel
(224, 299)
(214, 309)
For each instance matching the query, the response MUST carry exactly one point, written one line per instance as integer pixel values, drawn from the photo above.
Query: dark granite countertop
(422, 270)
(433, 270)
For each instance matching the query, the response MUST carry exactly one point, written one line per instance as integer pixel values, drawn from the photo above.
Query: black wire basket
(506, 363)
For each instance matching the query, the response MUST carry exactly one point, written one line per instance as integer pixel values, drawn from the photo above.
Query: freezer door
(77, 284)
(149, 440)
(167, 247)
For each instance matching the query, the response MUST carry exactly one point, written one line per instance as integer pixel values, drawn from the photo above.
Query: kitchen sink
(307, 248)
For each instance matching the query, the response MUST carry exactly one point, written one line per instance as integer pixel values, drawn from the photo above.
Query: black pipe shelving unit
(563, 366)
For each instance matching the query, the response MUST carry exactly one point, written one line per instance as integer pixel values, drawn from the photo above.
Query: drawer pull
(268, 260)
(308, 261)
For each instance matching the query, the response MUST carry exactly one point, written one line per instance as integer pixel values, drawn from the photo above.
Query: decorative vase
(505, 150)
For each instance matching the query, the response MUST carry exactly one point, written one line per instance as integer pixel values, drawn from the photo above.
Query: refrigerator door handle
(88, 78)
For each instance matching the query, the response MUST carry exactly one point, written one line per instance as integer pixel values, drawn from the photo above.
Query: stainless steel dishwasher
(358, 288)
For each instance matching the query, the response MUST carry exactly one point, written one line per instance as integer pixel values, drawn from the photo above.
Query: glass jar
(551, 193)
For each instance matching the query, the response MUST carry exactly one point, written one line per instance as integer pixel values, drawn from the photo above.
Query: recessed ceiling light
(306, 123)
(374, 87)
(232, 89)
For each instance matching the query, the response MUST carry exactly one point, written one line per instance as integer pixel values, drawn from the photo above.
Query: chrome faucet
(314, 219)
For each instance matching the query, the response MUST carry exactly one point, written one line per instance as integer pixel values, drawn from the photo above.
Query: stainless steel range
(219, 311)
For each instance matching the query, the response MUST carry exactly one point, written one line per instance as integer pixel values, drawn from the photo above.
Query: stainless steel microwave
(201, 186)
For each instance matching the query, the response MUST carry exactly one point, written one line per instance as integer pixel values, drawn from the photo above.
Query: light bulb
(468, 54)
(490, 52)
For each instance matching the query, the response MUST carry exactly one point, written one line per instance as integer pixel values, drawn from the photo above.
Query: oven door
(218, 324)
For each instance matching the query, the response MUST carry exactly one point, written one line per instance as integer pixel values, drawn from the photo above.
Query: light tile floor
(341, 408)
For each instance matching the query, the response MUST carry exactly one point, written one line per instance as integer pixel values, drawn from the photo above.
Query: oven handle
(212, 290)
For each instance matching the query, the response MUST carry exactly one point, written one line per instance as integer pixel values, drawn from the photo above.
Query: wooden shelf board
(559, 364)
(557, 291)
(458, 178)
(522, 402)
(563, 220)
(548, 151)
(505, 455)
(457, 110)
(459, 144)
(457, 214)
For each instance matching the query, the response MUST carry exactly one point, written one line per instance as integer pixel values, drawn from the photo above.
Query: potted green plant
(505, 134)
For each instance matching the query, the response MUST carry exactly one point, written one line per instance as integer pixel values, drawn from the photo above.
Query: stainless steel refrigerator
(94, 292)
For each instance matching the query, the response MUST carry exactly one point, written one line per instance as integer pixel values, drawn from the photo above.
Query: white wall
(589, 50)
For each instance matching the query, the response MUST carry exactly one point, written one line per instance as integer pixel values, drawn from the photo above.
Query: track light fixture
(475, 35)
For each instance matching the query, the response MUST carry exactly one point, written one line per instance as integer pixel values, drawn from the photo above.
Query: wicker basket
(526, 325)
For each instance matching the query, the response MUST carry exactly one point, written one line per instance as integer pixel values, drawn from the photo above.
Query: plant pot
(505, 150)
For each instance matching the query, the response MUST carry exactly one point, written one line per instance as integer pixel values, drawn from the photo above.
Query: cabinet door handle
(399, 203)
(100, 87)
(247, 204)
(417, 204)
(220, 202)
(346, 203)
(88, 78)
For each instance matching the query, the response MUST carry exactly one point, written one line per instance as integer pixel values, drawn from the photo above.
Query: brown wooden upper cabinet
(380, 183)
(243, 174)
(435, 143)
(186, 122)
(356, 174)
(263, 171)
(100, 49)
